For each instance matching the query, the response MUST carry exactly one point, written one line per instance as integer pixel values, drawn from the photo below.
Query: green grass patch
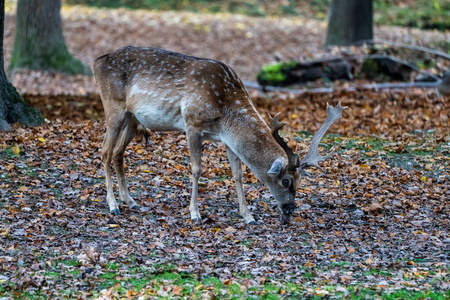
(166, 282)
(418, 148)
(416, 295)
(425, 14)
(10, 152)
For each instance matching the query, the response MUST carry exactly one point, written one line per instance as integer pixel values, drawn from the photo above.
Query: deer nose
(288, 208)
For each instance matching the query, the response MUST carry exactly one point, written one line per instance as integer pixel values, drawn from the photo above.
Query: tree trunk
(350, 21)
(39, 42)
(12, 107)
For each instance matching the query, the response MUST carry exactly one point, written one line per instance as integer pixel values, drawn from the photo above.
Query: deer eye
(285, 182)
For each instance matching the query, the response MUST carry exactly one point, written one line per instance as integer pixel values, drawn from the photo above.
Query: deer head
(286, 176)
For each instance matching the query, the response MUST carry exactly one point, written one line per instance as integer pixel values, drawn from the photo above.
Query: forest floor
(374, 224)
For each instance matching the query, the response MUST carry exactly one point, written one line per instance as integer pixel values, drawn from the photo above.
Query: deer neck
(249, 137)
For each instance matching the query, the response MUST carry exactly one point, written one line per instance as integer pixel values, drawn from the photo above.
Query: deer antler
(312, 158)
(293, 159)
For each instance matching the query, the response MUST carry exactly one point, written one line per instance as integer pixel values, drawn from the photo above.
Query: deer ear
(276, 167)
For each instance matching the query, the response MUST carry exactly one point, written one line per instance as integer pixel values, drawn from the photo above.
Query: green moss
(16, 109)
(62, 62)
(21, 111)
(275, 73)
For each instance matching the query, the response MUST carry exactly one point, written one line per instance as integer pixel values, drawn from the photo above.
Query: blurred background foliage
(424, 14)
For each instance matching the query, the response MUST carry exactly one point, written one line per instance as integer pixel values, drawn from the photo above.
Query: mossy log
(287, 73)
(377, 67)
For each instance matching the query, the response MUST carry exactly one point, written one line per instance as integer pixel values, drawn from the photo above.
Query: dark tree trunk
(39, 42)
(350, 21)
(12, 107)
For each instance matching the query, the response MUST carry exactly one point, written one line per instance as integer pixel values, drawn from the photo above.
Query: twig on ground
(400, 45)
(369, 86)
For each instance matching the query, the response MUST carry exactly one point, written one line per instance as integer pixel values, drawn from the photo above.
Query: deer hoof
(253, 223)
(115, 211)
(135, 207)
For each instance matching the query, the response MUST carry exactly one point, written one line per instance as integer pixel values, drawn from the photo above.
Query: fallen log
(376, 67)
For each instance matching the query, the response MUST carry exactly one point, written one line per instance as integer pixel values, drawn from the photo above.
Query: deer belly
(160, 118)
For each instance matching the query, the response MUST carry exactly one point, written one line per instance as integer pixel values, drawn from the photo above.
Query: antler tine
(312, 158)
(275, 125)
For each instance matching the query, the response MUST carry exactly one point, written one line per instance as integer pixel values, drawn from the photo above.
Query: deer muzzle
(287, 210)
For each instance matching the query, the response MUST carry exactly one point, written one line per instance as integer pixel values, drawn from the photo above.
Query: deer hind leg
(236, 168)
(195, 153)
(127, 133)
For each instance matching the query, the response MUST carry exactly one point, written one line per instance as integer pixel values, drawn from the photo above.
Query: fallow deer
(149, 88)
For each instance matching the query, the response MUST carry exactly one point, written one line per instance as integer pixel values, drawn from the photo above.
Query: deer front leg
(236, 168)
(195, 152)
(108, 144)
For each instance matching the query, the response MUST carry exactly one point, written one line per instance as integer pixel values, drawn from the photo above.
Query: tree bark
(12, 107)
(350, 21)
(39, 42)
